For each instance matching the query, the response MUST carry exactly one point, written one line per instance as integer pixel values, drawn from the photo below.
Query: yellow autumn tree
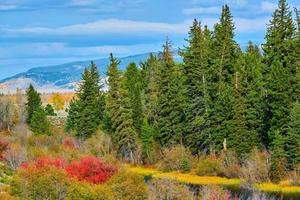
(58, 101)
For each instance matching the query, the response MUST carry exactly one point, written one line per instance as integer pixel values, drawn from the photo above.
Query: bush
(40, 183)
(177, 158)
(45, 162)
(215, 193)
(70, 143)
(161, 189)
(230, 165)
(15, 155)
(128, 186)
(3, 147)
(210, 166)
(256, 168)
(90, 169)
(277, 170)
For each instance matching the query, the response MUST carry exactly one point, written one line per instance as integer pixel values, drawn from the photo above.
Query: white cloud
(202, 10)
(62, 50)
(5, 7)
(129, 27)
(267, 6)
(109, 26)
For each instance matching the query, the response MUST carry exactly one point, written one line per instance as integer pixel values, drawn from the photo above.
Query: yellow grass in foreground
(213, 180)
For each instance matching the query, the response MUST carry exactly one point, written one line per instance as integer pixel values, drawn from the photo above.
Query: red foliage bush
(69, 142)
(90, 169)
(46, 162)
(3, 147)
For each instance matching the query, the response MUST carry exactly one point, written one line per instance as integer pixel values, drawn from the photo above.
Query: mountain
(60, 78)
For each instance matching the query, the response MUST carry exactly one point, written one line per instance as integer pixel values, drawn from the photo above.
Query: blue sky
(46, 32)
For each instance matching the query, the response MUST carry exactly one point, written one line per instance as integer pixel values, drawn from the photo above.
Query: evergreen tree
(113, 95)
(252, 84)
(87, 109)
(33, 102)
(150, 85)
(220, 81)
(281, 81)
(39, 123)
(196, 60)
(293, 136)
(170, 113)
(133, 86)
(125, 134)
(147, 139)
(49, 110)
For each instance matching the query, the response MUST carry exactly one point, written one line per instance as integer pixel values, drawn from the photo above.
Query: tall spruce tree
(170, 113)
(281, 81)
(113, 95)
(87, 109)
(133, 85)
(121, 113)
(220, 81)
(196, 60)
(39, 124)
(33, 102)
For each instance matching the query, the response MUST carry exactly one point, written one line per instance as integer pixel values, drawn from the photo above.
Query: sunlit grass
(277, 188)
(214, 180)
(186, 178)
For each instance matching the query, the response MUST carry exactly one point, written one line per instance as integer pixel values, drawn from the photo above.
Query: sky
(47, 32)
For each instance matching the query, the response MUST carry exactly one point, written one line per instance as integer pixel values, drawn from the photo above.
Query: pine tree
(170, 113)
(220, 81)
(150, 85)
(293, 136)
(33, 102)
(49, 110)
(125, 135)
(252, 84)
(87, 109)
(147, 138)
(196, 59)
(133, 86)
(39, 123)
(280, 72)
(113, 94)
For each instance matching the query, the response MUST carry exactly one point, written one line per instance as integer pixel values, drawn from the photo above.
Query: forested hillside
(222, 111)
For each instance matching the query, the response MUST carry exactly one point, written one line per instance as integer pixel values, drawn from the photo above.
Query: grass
(277, 188)
(186, 178)
(214, 180)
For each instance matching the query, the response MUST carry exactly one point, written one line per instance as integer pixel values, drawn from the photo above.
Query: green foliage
(87, 109)
(170, 109)
(177, 158)
(209, 167)
(45, 183)
(49, 110)
(196, 60)
(293, 136)
(128, 186)
(148, 143)
(39, 123)
(33, 102)
(133, 86)
(121, 112)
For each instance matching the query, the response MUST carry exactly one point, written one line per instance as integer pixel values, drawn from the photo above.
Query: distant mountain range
(60, 78)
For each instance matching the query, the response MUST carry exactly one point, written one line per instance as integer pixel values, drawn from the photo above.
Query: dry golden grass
(283, 187)
(186, 178)
(277, 188)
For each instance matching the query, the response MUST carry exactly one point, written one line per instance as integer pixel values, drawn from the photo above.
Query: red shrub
(45, 162)
(69, 142)
(90, 169)
(3, 147)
